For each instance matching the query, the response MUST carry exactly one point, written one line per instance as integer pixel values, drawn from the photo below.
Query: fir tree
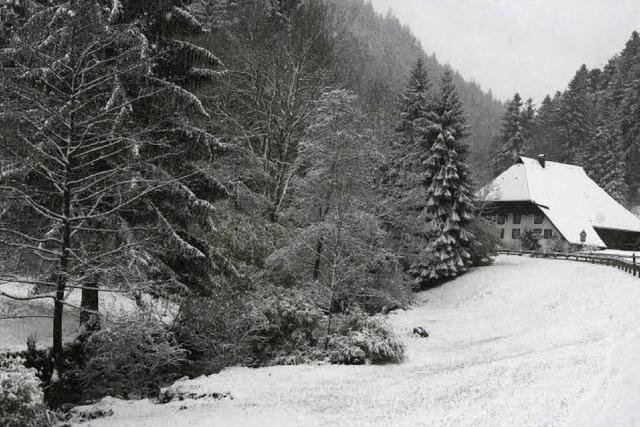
(408, 174)
(179, 147)
(415, 105)
(511, 143)
(449, 205)
(607, 165)
(575, 112)
(529, 122)
(545, 138)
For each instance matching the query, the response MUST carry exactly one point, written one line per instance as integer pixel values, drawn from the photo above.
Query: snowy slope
(525, 342)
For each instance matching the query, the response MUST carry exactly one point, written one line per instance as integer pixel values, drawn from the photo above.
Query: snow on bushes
(21, 398)
(283, 327)
(287, 328)
(132, 358)
(360, 339)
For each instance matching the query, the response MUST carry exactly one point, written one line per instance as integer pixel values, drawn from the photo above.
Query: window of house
(502, 233)
(548, 233)
(515, 233)
(517, 218)
(502, 219)
(537, 231)
(538, 219)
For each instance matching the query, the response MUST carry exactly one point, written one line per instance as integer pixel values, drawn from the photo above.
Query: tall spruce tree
(512, 142)
(408, 174)
(529, 122)
(449, 202)
(545, 138)
(180, 150)
(575, 112)
(415, 105)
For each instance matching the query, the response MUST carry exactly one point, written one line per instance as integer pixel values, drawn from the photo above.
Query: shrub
(279, 326)
(215, 331)
(530, 241)
(360, 339)
(555, 244)
(21, 398)
(286, 328)
(273, 326)
(129, 359)
(486, 243)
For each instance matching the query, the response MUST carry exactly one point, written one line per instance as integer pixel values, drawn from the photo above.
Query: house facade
(560, 205)
(513, 220)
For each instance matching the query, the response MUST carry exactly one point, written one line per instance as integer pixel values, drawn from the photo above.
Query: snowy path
(524, 342)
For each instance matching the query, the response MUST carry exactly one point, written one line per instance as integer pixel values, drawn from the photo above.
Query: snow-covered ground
(615, 252)
(14, 332)
(524, 342)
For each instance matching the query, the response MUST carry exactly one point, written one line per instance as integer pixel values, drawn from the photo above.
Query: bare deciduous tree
(73, 168)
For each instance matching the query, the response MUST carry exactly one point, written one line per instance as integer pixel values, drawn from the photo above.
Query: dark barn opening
(619, 239)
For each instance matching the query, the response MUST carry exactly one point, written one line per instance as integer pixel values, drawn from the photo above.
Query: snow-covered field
(14, 332)
(524, 342)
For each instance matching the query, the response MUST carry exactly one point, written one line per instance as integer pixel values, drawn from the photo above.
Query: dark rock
(421, 332)
(81, 415)
(172, 395)
(388, 309)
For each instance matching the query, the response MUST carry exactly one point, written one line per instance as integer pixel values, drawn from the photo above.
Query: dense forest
(276, 174)
(594, 123)
(375, 55)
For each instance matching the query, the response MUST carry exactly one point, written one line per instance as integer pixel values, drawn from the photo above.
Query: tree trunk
(316, 267)
(58, 308)
(89, 317)
(331, 301)
(57, 322)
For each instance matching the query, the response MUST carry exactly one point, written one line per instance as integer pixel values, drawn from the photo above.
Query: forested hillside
(374, 56)
(275, 174)
(594, 123)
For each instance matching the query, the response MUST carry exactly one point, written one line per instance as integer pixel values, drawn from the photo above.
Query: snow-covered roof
(570, 199)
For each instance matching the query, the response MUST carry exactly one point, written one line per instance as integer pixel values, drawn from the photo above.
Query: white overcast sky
(530, 46)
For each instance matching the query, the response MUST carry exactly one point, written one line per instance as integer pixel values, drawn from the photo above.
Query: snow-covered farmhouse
(559, 202)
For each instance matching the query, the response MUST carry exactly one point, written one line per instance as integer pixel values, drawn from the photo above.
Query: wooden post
(635, 267)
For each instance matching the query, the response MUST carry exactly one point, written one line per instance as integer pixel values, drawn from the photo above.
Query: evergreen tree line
(593, 124)
(261, 168)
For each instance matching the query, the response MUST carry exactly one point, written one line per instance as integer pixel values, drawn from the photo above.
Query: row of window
(517, 219)
(515, 233)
